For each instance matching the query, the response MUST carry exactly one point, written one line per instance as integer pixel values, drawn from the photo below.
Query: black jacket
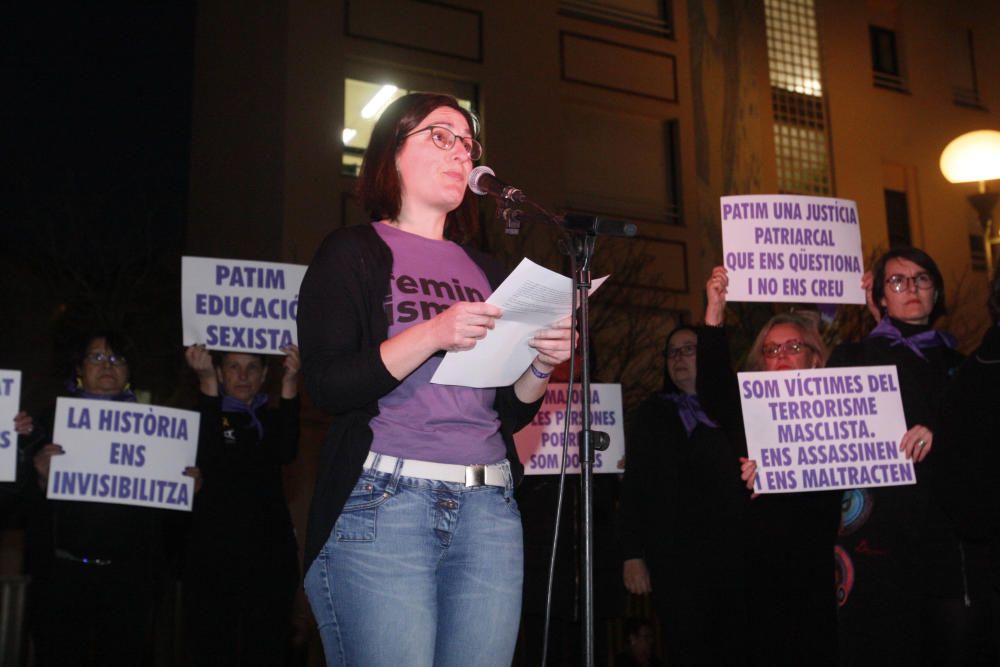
(971, 425)
(907, 531)
(682, 497)
(240, 518)
(341, 323)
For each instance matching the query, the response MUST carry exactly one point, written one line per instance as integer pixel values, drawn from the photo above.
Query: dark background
(96, 136)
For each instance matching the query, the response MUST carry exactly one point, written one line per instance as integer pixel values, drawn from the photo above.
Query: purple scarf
(690, 411)
(77, 392)
(230, 404)
(924, 339)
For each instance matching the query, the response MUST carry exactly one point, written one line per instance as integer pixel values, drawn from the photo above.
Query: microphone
(595, 225)
(483, 181)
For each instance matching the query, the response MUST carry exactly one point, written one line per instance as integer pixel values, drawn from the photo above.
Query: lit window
(800, 128)
(364, 102)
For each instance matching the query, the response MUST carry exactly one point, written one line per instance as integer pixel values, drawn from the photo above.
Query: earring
(79, 382)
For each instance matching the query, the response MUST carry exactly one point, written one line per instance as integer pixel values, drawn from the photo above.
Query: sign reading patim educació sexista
(240, 306)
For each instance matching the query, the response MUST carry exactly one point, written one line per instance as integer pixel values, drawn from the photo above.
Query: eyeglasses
(790, 347)
(897, 282)
(682, 351)
(98, 358)
(444, 139)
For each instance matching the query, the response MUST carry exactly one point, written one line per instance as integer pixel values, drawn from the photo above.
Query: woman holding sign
(682, 513)
(96, 567)
(790, 583)
(413, 524)
(242, 565)
(903, 585)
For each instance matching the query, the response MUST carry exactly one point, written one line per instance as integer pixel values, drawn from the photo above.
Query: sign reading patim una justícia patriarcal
(792, 249)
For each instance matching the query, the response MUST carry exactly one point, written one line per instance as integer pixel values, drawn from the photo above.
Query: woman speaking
(413, 525)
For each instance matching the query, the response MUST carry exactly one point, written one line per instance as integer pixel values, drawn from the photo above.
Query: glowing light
(974, 156)
(378, 101)
(347, 135)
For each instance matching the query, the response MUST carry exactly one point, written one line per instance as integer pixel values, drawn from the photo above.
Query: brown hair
(807, 327)
(378, 182)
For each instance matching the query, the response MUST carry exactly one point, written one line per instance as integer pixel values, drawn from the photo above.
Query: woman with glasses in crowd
(902, 596)
(682, 516)
(96, 567)
(790, 537)
(413, 525)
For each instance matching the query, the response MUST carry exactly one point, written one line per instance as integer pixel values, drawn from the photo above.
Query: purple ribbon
(916, 342)
(230, 404)
(689, 408)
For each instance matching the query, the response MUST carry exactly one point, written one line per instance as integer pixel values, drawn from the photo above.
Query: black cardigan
(342, 323)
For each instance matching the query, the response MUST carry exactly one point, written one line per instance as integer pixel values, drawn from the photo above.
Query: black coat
(682, 497)
(970, 464)
(906, 528)
(241, 526)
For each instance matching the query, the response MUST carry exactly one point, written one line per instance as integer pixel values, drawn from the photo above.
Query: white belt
(478, 475)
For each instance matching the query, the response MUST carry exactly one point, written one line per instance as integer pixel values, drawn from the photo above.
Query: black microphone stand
(578, 241)
(580, 248)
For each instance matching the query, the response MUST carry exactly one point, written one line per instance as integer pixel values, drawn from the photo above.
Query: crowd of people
(887, 575)
(98, 569)
(414, 526)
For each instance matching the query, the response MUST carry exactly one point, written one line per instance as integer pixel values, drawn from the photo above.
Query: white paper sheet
(531, 298)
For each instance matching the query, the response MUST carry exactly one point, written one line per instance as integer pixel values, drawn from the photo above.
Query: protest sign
(830, 428)
(791, 248)
(539, 445)
(123, 453)
(240, 306)
(10, 399)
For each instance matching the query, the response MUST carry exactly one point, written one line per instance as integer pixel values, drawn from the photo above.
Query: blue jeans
(420, 572)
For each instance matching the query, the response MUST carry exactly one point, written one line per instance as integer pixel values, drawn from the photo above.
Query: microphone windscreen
(475, 175)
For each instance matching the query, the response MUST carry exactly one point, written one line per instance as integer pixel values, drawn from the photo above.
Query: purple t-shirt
(417, 419)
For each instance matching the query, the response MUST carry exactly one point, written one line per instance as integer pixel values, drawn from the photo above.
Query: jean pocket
(356, 522)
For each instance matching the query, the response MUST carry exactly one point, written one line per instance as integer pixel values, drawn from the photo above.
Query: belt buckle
(475, 475)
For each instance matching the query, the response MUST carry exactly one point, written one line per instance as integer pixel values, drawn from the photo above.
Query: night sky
(97, 137)
(102, 99)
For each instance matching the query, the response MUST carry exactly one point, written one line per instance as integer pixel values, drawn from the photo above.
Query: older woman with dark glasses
(790, 537)
(903, 586)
